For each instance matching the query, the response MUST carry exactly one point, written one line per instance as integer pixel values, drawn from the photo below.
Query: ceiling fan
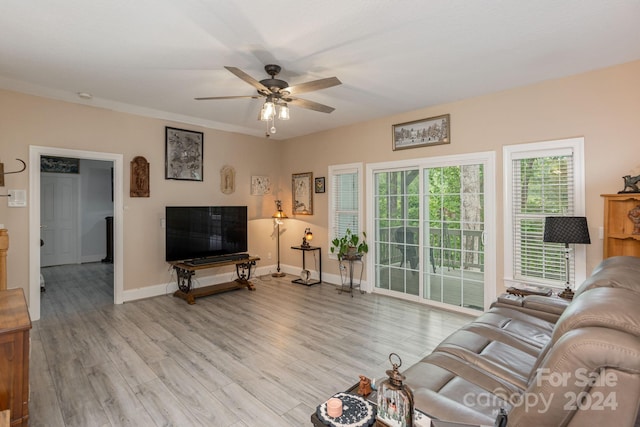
(279, 92)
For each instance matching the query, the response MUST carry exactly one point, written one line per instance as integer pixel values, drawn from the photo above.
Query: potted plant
(349, 245)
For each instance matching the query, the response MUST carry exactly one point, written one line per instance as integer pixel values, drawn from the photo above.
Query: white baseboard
(85, 259)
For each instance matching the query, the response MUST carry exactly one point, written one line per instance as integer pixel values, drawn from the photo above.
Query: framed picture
(302, 195)
(319, 184)
(260, 185)
(183, 154)
(59, 164)
(420, 133)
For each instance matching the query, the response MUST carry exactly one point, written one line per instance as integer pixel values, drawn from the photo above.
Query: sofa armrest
(553, 305)
(547, 308)
(509, 300)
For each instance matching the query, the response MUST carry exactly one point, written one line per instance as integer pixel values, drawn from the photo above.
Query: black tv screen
(194, 232)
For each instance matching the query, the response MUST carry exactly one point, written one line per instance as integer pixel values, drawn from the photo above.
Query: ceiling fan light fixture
(268, 111)
(283, 113)
(278, 94)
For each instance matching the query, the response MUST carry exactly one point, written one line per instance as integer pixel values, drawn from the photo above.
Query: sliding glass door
(453, 229)
(429, 225)
(397, 225)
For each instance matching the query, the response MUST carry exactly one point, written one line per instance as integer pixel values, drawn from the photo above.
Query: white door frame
(35, 152)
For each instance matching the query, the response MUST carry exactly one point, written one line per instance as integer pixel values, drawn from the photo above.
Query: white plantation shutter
(344, 199)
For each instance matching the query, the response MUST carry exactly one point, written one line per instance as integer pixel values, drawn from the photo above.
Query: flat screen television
(194, 232)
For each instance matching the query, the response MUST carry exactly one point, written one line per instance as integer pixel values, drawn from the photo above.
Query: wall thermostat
(17, 198)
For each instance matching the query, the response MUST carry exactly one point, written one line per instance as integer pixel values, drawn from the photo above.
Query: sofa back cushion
(590, 373)
(612, 308)
(614, 272)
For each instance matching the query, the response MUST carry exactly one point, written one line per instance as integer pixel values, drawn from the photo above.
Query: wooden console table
(185, 272)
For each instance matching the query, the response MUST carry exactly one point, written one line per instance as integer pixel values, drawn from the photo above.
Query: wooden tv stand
(184, 273)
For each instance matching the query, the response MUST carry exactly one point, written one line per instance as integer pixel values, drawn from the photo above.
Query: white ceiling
(152, 57)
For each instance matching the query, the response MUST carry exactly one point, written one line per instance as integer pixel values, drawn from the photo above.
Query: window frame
(343, 169)
(543, 149)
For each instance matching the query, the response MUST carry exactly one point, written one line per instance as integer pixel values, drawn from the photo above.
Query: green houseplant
(349, 244)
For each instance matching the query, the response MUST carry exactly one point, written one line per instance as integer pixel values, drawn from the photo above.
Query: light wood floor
(241, 358)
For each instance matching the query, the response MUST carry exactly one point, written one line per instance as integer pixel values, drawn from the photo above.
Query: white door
(59, 219)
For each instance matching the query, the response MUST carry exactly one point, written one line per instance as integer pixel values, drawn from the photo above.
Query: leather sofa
(547, 361)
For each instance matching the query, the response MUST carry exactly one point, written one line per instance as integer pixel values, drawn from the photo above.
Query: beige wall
(602, 106)
(27, 120)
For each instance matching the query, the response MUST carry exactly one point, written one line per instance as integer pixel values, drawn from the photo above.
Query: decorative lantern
(395, 400)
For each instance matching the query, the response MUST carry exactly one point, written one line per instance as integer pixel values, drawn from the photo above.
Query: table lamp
(566, 229)
(308, 235)
(278, 216)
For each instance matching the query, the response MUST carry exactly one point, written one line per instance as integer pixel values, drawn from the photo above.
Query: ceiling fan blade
(204, 98)
(247, 78)
(311, 105)
(313, 85)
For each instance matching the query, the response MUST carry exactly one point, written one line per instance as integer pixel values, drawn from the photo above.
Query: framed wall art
(421, 133)
(319, 184)
(183, 154)
(302, 195)
(260, 185)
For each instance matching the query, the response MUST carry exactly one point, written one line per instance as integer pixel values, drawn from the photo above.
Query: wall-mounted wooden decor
(139, 177)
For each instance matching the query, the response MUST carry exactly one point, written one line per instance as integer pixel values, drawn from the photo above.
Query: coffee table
(372, 397)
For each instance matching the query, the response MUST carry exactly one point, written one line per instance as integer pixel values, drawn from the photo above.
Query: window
(345, 202)
(542, 179)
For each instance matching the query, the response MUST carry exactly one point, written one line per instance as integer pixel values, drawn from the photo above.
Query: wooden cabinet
(14, 356)
(618, 227)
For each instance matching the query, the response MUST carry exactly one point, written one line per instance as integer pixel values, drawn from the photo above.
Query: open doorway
(76, 213)
(35, 190)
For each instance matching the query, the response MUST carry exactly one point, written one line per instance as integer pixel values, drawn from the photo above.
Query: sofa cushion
(613, 308)
(492, 353)
(615, 272)
(601, 364)
(522, 326)
(449, 389)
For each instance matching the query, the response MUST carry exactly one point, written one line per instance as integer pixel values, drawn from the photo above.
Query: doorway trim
(35, 152)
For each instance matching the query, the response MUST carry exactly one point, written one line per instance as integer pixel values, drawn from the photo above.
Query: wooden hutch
(619, 235)
(15, 324)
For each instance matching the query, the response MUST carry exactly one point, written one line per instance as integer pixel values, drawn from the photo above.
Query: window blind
(542, 186)
(345, 202)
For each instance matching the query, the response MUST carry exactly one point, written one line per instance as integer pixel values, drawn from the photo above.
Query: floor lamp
(566, 229)
(278, 216)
